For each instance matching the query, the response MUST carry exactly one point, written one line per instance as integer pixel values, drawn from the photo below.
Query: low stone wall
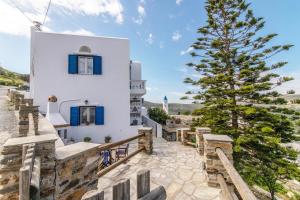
(200, 131)
(76, 170)
(146, 141)
(213, 164)
(12, 160)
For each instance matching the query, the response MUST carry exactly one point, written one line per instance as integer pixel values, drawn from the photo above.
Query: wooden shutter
(99, 115)
(74, 116)
(97, 65)
(73, 64)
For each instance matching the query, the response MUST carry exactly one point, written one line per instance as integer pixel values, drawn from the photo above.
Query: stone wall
(213, 164)
(146, 141)
(200, 131)
(12, 160)
(66, 172)
(184, 135)
(76, 170)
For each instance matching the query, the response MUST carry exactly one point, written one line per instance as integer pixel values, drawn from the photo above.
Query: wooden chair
(122, 151)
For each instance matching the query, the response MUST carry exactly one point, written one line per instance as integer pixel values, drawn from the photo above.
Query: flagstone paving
(178, 168)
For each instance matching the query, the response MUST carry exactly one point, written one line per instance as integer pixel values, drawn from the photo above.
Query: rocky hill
(10, 78)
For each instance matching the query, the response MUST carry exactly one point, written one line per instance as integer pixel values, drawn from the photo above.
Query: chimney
(52, 106)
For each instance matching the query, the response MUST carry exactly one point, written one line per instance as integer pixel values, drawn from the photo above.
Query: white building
(93, 80)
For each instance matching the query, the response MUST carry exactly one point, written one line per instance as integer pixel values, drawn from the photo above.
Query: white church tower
(165, 105)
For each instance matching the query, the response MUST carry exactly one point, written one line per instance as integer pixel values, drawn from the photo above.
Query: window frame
(86, 68)
(89, 115)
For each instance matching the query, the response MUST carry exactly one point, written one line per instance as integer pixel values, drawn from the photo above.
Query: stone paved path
(178, 168)
(8, 121)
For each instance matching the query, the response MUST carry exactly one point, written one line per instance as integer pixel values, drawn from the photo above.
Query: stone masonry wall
(200, 131)
(146, 141)
(11, 163)
(211, 159)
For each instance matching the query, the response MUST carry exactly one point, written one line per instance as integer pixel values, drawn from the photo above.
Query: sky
(160, 34)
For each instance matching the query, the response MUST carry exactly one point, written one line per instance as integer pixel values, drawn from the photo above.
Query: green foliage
(9, 78)
(296, 101)
(87, 139)
(291, 92)
(279, 101)
(107, 139)
(237, 76)
(187, 112)
(158, 115)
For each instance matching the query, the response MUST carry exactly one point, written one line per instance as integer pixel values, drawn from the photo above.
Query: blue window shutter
(73, 64)
(99, 115)
(74, 116)
(97, 65)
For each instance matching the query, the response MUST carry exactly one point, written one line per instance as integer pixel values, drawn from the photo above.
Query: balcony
(138, 87)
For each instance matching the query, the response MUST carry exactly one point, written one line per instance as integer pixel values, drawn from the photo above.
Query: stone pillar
(18, 100)
(211, 159)
(184, 136)
(12, 94)
(35, 116)
(28, 102)
(23, 122)
(200, 131)
(146, 141)
(178, 135)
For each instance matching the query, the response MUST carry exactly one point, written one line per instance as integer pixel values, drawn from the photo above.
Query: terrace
(179, 169)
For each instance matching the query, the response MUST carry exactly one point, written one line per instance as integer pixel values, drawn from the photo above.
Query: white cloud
(178, 2)
(141, 10)
(138, 20)
(150, 39)
(141, 13)
(186, 51)
(79, 32)
(114, 8)
(176, 36)
(13, 22)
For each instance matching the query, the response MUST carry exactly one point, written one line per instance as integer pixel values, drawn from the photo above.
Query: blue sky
(160, 33)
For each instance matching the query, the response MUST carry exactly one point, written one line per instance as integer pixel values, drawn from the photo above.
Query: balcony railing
(138, 87)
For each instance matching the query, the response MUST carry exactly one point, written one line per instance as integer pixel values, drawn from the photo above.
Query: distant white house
(98, 88)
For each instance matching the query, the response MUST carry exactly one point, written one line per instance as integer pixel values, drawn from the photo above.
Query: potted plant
(107, 139)
(87, 139)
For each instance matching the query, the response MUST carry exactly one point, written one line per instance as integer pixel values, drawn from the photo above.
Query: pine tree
(236, 77)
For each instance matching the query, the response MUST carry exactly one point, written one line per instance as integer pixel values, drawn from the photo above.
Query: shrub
(291, 92)
(177, 121)
(107, 139)
(87, 139)
(158, 115)
(279, 101)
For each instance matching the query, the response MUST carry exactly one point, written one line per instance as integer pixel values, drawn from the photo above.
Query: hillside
(10, 78)
(175, 108)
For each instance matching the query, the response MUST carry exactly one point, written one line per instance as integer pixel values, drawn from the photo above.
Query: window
(85, 65)
(59, 133)
(65, 134)
(87, 115)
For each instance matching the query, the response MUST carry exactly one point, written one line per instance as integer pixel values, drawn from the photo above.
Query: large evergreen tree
(236, 77)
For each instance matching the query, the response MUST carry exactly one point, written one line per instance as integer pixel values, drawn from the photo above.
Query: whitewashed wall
(49, 58)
